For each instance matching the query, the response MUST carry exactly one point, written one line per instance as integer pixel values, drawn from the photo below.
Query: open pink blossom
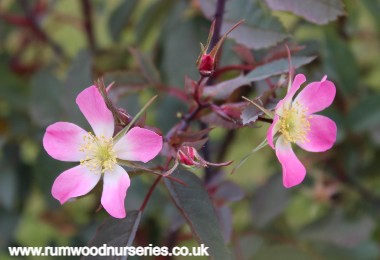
(97, 153)
(295, 122)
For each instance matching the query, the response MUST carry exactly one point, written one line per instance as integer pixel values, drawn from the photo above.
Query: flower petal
(93, 107)
(138, 144)
(316, 96)
(74, 182)
(115, 188)
(299, 79)
(62, 141)
(322, 134)
(272, 130)
(293, 172)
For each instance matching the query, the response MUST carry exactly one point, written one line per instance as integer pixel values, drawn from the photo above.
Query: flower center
(294, 123)
(99, 153)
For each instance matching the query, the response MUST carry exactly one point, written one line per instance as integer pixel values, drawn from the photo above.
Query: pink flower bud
(186, 155)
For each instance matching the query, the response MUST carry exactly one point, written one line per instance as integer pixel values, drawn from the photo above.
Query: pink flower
(97, 153)
(295, 122)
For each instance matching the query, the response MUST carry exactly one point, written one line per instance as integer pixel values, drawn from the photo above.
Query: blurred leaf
(120, 17)
(116, 232)
(45, 106)
(339, 62)
(153, 16)
(228, 191)
(8, 186)
(374, 8)
(259, 30)
(180, 45)
(277, 67)
(45, 170)
(366, 114)
(8, 225)
(225, 219)
(147, 67)
(216, 120)
(269, 201)
(282, 252)
(224, 89)
(194, 203)
(316, 11)
(248, 245)
(364, 251)
(79, 77)
(338, 230)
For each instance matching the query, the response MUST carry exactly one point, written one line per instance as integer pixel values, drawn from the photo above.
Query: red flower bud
(206, 65)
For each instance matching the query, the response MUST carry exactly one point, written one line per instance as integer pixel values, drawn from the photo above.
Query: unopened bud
(206, 65)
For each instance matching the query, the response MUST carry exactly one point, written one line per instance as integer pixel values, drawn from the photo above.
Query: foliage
(51, 50)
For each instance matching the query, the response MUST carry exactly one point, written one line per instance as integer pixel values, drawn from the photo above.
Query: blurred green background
(45, 63)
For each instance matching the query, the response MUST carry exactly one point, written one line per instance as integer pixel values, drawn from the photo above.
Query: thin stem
(150, 192)
(219, 12)
(87, 14)
(218, 23)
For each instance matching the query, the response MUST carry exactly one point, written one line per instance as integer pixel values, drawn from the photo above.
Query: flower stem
(150, 192)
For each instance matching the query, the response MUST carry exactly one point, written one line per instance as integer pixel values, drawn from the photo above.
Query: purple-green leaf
(197, 208)
(316, 11)
(116, 232)
(259, 30)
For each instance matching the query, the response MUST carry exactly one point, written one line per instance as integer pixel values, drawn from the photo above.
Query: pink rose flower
(295, 122)
(97, 153)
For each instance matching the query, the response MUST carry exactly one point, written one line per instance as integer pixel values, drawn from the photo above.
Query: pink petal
(293, 172)
(93, 107)
(115, 188)
(272, 130)
(317, 96)
(62, 141)
(299, 79)
(74, 182)
(322, 134)
(138, 144)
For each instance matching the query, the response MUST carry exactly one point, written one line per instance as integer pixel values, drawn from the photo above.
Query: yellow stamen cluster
(294, 123)
(100, 156)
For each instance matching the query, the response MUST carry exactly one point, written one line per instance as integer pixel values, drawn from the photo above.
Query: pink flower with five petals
(295, 122)
(97, 153)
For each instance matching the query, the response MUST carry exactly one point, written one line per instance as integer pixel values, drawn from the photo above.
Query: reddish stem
(150, 192)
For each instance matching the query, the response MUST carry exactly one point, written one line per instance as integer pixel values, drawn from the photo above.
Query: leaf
(250, 114)
(224, 89)
(337, 52)
(267, 112)
(45, 105)
(269, 201)
(8, 186)
(316, 11)
(116, 232)
(152, 17)
(195, 205)
(146, 66)
(180, 40)
(277, 67)
(78, 77)
(260, 29)
(337, 230)
(120, 17)
(366, 114)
